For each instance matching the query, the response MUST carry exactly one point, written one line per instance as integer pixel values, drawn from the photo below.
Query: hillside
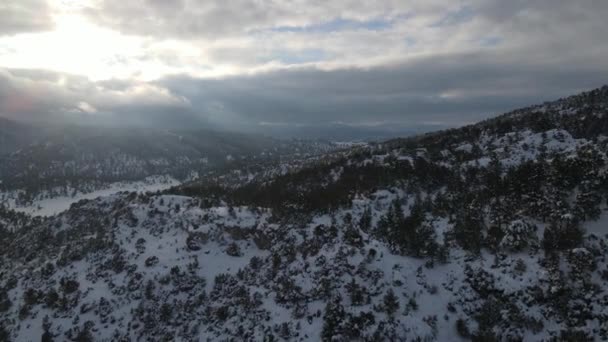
(13, 135)
(63, 160)
(490, 232)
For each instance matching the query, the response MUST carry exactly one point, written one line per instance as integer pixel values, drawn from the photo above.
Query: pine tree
(561, 236)
(356, 293)
(391, 302)
(469, 228)
(365, 222)
(46, 327)
(390, 224)
(333, 319)
(588, 200)
(518, 235)
(4, 334)
(352, 236)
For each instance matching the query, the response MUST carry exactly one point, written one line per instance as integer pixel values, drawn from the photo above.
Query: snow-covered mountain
(490, 232)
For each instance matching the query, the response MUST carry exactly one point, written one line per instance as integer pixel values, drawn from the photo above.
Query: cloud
(212, 19)
(449, 90)
(339, 24)
(85, 108)
(245, 36)
(299, 63)
(18, 16)
(42, 95)
(452, 89)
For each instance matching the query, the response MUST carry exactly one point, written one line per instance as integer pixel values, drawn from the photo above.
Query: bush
(151, 261)
(520, 267)
(69, 285)
(5, 302)
(462, 328)
(233, 250)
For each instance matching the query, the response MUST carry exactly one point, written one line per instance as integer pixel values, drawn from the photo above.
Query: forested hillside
(490, 232)
(63, 160)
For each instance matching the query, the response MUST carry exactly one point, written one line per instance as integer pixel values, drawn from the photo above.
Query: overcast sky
(280, 63)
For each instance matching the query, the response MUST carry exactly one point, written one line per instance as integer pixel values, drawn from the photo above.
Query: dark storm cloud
(443, 90)
(18, 16)
(452, 89)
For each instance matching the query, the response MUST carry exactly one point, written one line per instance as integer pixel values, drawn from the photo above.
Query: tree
(562, 236)
(233, 249)
(391, 302)
(47, 336)
(352, 236)
(4, 334)
(333, 319)
(588, 200)
(356, 292)
(5, 301)
(405, 235)
(469, 228)
(518, 235)
(462, 328)
(365, 222)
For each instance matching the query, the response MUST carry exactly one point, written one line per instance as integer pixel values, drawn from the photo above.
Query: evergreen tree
(469, 228)
(588, 200)
(390, 224)
(333, 319)
(356, 292)
(4, 334)
(390, 302)
(518, 236)
(365, 222)
(561, 236)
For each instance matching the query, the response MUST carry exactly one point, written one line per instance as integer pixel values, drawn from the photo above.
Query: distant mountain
(86, 156)
(151, 118)
(491, 232)
(14, 136)
(343, 132)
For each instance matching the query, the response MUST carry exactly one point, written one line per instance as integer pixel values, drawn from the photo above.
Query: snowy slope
(491, 232)
(169, 268)
(46, 205)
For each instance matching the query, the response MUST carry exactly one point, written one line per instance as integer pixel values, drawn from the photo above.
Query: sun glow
(75, 46)
(79, 47)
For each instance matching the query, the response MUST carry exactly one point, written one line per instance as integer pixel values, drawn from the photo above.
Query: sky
(284, 64)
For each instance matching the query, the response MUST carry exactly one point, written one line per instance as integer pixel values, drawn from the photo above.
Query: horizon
(337, 132)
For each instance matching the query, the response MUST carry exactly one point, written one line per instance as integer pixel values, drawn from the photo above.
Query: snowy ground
(55, 205)
(599, 227)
